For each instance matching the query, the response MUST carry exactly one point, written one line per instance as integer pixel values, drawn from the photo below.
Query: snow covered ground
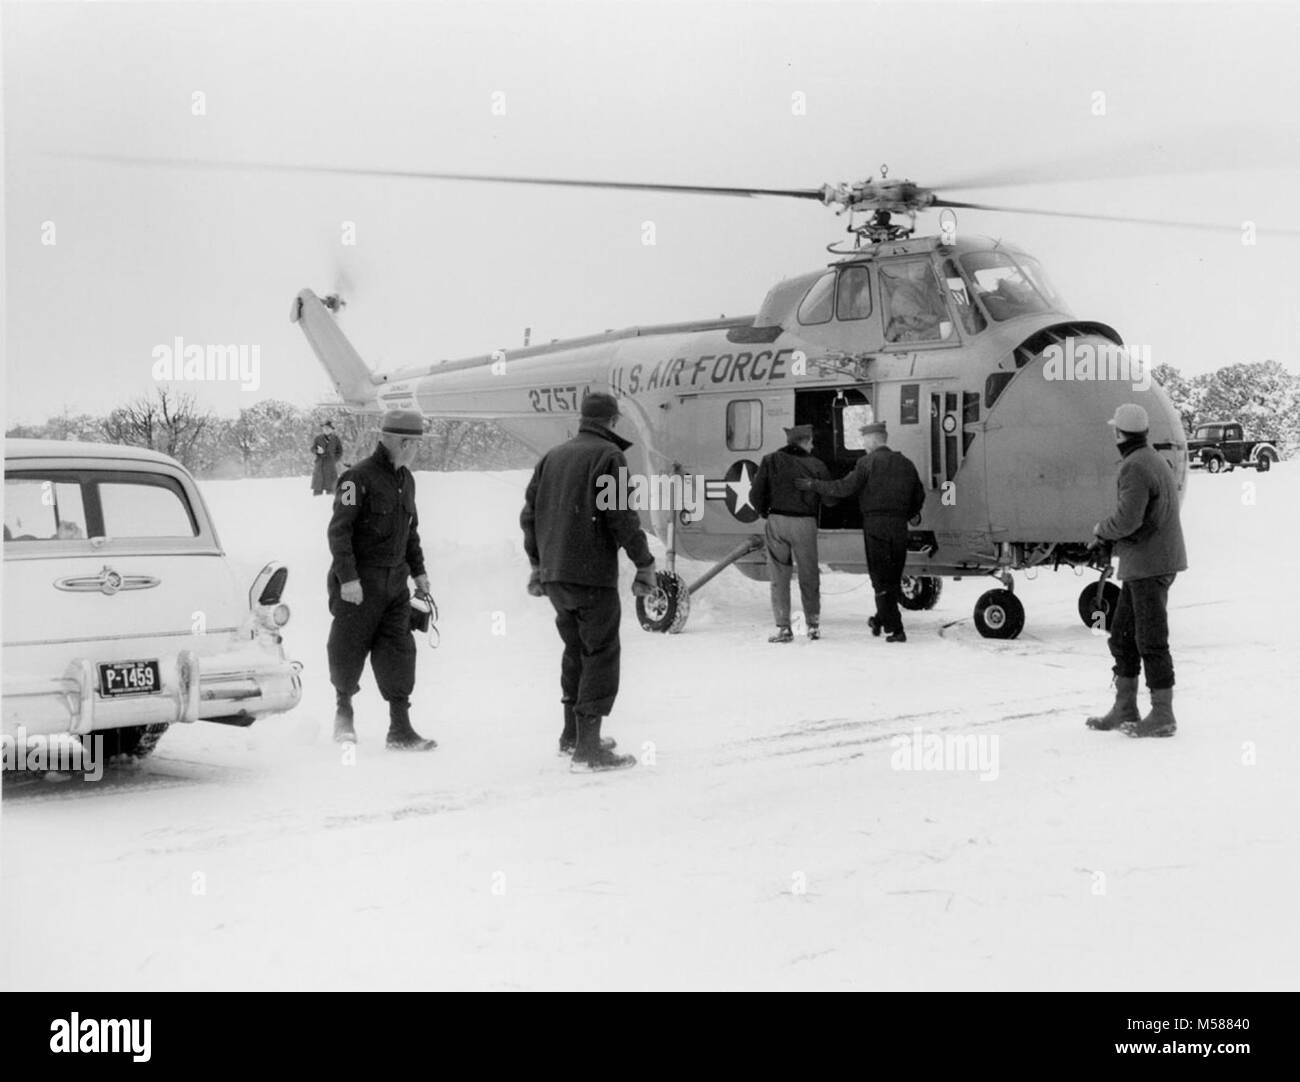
(767, 840)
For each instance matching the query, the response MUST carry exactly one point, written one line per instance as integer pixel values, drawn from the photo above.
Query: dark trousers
(381, 627)
(587, 619)
(885, 539)
(1139, 632)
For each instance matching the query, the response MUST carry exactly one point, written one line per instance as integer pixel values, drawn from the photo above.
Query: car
(1220, 445)
(122, 613)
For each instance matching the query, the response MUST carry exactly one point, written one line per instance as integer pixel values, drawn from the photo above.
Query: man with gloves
(1147, 536)
(572, 542)
(374, 540)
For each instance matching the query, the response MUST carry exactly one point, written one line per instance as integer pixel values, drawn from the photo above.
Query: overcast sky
(676, 93)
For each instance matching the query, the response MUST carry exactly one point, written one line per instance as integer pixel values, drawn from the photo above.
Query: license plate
(129, 678)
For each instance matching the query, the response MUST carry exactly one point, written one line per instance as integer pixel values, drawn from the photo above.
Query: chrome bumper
(237, 686)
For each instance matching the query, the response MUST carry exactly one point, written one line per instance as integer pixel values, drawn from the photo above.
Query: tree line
(271, 438)
(1263, 396)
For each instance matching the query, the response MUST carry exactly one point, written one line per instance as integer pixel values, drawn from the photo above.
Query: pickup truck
(1220, 445)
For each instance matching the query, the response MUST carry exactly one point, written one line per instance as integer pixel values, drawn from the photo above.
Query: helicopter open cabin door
(723, 437)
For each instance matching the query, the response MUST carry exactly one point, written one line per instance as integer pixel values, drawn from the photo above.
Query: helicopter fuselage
(993, 389)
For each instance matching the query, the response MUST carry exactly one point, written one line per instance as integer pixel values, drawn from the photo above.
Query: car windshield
(1010, 287)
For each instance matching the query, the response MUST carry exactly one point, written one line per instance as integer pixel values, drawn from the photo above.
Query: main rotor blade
(417, 174)
(1213, 227)
(1182, 153)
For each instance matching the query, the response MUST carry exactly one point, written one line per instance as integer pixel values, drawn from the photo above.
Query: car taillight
(268, 586)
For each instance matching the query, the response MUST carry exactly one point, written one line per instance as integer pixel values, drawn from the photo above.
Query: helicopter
(952, 340)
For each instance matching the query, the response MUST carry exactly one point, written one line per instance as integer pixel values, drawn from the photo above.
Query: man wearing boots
(890, 492)
(791, 530)
(573, 545)
(374, 539)
(1147, 536)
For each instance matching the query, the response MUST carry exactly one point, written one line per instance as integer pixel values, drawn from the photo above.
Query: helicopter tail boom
(354, 381)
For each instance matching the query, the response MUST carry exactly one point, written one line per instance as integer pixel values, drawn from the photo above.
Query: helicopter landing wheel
(667, 608)
(999, 615)
(1094, 615)
(920, 592)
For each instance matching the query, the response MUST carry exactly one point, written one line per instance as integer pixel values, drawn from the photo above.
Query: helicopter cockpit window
(745, 425)
(972, 319)
(914, 307)
(1010, 287)
(853, 295)
(816, 306)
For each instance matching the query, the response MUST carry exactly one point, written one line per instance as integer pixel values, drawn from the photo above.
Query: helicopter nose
(1050, 456)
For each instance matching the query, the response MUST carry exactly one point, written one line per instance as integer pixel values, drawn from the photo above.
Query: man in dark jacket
(890, 493)
(374, 539)
(1147, 535)
(572, 540)
(791, 529)
(327, 450)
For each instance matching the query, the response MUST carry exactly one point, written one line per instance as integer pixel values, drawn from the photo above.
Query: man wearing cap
(572, 541)
(1147, 536)
(890, 493)
(374, 539)
(327, 450)
(791, 529)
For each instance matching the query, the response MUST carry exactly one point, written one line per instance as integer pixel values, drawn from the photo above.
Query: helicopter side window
(914, 307)
(972, 319)
(853, 294)
(1009, 287)
(816, 306)
(745, 425)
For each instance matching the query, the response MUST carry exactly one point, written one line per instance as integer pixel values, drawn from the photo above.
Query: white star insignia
(741, 486)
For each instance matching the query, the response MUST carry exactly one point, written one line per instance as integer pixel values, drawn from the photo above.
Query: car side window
(148, 507)
(43, 509)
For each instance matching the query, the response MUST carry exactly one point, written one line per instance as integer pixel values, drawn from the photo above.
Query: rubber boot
(401, 737)
(1160, 722)
(344, 733)
(1125, 709)
(590, 754)
(569, 737)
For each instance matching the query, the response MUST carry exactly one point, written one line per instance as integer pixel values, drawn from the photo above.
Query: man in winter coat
(374, 540)
(572, 539)
(1147, 535)
(326, 450)
(890, 493)
(791, 529)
